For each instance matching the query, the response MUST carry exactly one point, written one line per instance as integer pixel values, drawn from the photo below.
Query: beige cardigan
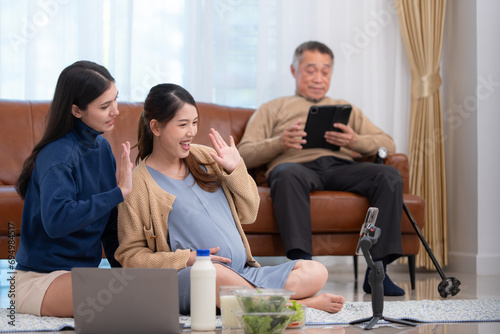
(143, 216)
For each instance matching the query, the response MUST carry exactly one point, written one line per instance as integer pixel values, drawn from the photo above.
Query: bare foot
(325, 302)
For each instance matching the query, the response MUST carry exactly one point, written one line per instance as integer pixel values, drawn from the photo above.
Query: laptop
(125, 300)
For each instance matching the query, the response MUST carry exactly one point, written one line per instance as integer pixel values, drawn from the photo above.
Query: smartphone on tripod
(370, 219)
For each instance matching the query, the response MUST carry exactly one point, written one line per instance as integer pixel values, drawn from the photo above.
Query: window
(230, 52)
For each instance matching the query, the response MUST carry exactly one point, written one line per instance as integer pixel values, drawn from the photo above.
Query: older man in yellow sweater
(274, 137)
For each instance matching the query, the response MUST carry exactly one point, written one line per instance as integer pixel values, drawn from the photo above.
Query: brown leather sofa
(336, 216)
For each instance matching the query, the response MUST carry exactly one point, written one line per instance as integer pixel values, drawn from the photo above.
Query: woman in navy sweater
(70, 192)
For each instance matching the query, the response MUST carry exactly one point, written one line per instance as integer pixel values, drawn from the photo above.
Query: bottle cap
(203, 252)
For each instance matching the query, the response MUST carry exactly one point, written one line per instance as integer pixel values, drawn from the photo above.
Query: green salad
(263, 300)
(254, 304)
(298, 319)
(265, 323)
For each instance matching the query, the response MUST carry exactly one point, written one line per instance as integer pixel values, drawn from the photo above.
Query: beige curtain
(422, 27)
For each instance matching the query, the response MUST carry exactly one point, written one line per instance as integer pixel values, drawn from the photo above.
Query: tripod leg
(448, 285)
(411, 266)
(424, 242)
(355, 261)
(372, 323)
(360, 321)
(399, 321)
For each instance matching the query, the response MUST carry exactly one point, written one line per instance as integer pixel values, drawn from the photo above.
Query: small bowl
(264, 322)
(298, 319)
(263, 300)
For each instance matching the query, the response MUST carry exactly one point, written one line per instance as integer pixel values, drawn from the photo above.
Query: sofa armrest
(258, 174)
(400, 161)
(365, 158)
(397, 160)
(11, 207)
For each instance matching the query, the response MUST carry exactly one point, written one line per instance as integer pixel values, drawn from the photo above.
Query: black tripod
(376, 277)
(448, 285)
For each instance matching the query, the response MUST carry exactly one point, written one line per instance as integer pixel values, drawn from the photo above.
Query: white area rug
(423, 311)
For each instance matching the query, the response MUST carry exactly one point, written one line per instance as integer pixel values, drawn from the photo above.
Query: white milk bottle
(203, 292)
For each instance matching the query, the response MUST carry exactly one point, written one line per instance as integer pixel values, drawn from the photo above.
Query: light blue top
(201, 219)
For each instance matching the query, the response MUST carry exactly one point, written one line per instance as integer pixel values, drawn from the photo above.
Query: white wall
(471, 85)
(488, 122)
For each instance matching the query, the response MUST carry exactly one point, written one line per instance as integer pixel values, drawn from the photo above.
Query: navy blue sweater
(70, 204)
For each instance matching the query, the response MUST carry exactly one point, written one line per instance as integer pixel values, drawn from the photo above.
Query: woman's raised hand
(125, 173)
(227, 156)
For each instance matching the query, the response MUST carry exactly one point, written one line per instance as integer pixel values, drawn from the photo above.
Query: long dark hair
(162, 104)
(78, 84)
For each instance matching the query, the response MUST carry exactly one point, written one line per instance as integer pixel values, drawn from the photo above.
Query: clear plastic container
(229, 305)
(263, 300)
(264, 322)
(298, 319)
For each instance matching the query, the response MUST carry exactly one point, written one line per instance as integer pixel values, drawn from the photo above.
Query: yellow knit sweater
(143, 216)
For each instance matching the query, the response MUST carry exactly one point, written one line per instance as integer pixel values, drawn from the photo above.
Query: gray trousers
(291, 184)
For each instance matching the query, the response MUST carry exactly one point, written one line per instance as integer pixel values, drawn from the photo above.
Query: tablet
(321, 119)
